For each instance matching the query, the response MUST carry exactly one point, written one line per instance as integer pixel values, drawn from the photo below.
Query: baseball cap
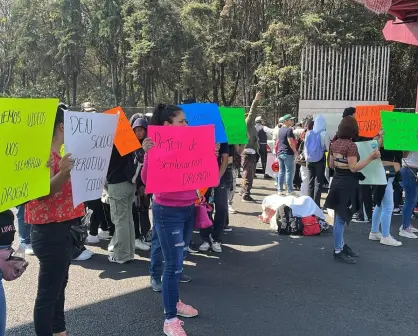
(349, 111)
(258, 119)
(140, 122)
(88, 107)
(287, 117)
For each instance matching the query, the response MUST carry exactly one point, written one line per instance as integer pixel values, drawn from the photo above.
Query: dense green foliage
(138, 52)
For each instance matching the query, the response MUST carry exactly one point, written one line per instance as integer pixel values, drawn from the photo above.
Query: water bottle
(374, 145)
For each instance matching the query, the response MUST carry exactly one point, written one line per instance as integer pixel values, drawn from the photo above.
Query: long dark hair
(59, 118)
(163, 113)
(348, 128)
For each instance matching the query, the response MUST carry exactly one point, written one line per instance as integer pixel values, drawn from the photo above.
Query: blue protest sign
(200, 114)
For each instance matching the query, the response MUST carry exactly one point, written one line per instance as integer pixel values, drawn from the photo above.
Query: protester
(317, 142)
(409, 174)
(262, 134)
(121, 186)
(24, 230)
(88, 107)
(249, 155)
(173, 217)
(383, 197)
(51, 218)
(7, 232)
(304, 173)
(143, 201)
(234, 165)
(286, 154)
(343, 194)
(212, 236)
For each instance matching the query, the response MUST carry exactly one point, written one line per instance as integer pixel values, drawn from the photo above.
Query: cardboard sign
(89, 138)
(200, 114)
(26, 127)
(368, 118)
(182, 159)
(374, 172)
(125, 139)
(401, 131)
(235, 127)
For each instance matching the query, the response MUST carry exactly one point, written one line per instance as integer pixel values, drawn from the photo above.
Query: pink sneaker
(185, 310)
(174, 328)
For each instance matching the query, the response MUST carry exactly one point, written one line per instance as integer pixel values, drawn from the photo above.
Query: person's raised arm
(250, 120)
(356, 165)
(65, 166)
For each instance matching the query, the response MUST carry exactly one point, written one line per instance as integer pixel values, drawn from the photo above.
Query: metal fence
(357, 73)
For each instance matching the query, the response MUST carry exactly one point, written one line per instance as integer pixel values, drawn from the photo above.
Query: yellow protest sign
(26, 127)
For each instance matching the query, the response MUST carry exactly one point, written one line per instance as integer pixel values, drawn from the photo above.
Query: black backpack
(288, 224)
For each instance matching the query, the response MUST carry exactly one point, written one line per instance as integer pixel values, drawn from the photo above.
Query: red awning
(404, 9)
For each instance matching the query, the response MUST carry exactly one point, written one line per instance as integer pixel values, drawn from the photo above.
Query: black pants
(221, 206)
(316, 179)
(109, 224)
(53, 246)
(142, 223)
(297, 180)
(97, 219)
(262, 151)
(397, 194)
(366, 200)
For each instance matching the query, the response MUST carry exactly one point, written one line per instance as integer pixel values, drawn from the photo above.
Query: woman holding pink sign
(173, 217)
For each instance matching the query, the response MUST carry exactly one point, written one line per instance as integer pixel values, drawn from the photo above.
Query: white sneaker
(103, 234)
(29, 250)
(376, 236)
(85, 255)
(231, 210)
(110, 248)
(228, 229)
(216, 247)
(408, 234)
(140, 245)
(204, 247)
(390, 241)
(93, 239)
(410, 228)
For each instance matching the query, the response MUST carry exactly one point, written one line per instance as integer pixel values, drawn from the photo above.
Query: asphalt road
(262, 284)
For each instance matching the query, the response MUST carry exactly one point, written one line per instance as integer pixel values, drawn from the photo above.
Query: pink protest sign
(183, 158)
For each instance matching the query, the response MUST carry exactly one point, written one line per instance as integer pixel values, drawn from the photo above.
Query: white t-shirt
(411, 160)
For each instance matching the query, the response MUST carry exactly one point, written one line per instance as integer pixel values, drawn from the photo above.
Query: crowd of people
(49, 227)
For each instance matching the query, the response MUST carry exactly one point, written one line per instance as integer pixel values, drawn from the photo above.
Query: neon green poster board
(234, 123)
(26, 127)
(401, 131)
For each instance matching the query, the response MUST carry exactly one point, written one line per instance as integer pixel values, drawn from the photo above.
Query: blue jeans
(410, 186)
(286, 162)
(382, 215)
(2, 309)
(172, 231)
(338, 233)
(24, 229)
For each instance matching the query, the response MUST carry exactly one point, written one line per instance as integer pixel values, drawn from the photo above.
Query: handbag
(202, 220)
(11, 267)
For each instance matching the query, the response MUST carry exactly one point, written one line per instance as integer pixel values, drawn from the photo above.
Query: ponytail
(163, 113)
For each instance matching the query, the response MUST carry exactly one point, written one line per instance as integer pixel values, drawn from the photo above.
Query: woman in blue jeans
(173, 217)
(383, 197)
(343, 195)
(409, 174)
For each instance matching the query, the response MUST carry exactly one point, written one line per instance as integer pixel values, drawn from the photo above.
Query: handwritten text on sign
(125, 139)
(234, 122)
(26, 127)
(368, 118)
(401, 131)
(183, 159)
(89, 138)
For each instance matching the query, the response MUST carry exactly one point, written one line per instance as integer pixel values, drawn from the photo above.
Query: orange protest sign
(125, 139)
(368, 118)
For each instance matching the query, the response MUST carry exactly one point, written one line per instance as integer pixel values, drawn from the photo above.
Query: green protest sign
(234, 123)
(401, 131)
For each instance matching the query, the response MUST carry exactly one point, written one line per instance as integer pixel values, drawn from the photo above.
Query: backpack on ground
(311, 226)
(313, 147)
(287, 224)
